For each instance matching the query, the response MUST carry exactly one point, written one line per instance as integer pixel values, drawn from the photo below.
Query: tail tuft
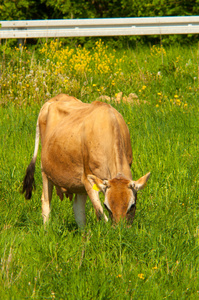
(29, 182)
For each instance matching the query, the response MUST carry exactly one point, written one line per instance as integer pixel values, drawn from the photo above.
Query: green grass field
(158, 256)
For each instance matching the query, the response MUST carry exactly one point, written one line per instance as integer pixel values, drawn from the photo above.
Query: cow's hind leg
(79, 209)
(46, 197)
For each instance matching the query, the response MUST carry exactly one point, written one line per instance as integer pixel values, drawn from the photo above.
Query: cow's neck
(121, 166)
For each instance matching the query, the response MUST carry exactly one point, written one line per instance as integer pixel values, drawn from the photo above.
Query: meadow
(158, 256)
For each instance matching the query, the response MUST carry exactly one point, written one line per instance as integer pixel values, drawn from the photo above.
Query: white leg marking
(46, 197)
(45, 209)
(79, 209)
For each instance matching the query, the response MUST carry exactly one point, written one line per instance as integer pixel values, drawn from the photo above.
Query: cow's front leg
(46, 197)
(79, 209)
(94, 197)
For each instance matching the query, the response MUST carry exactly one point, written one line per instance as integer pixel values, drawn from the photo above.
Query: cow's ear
(97, 183)
(140, 183)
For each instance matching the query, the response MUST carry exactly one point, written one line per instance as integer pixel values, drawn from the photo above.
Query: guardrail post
(20, 43)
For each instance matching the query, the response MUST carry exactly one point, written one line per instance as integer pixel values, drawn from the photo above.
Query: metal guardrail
(99, 27)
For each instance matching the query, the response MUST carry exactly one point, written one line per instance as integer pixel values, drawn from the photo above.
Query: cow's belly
(63, 164)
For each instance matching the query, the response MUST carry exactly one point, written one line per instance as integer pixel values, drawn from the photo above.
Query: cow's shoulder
(105, 111)
(106, 107)
(100, 104)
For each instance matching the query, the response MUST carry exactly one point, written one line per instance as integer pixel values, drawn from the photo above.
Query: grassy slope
(156, 258)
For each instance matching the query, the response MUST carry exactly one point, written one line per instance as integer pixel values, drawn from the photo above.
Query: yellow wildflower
(141, 276)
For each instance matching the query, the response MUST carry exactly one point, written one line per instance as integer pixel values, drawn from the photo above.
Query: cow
(85, 149)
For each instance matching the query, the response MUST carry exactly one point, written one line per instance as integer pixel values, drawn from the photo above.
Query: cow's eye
(132, 207)
(106, 206)
(105, 188)
(110, 212)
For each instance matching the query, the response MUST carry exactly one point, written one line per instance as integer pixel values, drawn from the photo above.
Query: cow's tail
(29, 182)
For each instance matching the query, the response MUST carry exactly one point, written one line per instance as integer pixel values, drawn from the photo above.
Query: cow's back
(80, 138)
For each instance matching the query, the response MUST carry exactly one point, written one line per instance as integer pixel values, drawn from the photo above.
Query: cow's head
(120, 195)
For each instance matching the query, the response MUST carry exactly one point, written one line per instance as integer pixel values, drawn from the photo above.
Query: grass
(155, 258)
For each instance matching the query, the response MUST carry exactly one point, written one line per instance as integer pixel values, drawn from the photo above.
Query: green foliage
(16, 10)
(122, 8)
(23, 10)
(51, 9)
(155, 258)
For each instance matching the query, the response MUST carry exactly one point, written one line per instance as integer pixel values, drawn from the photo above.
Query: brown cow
(85, 149)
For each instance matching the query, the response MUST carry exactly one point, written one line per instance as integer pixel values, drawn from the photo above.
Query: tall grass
(155, 258)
